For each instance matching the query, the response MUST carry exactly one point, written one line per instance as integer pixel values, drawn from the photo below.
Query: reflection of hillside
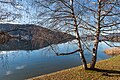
(21, 45)
(4, 37)
(29, 37)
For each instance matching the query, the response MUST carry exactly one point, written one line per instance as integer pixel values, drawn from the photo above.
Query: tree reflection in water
(4, 59)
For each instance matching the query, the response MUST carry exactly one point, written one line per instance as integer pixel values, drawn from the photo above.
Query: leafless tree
(104, 17)
(82, 18)
(94, 17)
(63, 14)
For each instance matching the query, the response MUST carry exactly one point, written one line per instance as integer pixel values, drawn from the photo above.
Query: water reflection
(23, 64)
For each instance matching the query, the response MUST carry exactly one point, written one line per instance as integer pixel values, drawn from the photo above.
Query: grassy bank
(113, 51)
(106, 70)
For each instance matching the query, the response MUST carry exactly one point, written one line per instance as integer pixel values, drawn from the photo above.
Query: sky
(27, 10)
(23, 7)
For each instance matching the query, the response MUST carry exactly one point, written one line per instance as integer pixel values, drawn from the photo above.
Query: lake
(24, 64)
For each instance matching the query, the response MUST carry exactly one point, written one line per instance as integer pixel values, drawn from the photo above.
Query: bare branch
(67, 53)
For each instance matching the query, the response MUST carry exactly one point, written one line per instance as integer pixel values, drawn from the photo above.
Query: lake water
(21, 64)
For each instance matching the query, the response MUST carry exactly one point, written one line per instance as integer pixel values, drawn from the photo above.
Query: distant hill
(114, 37)
(31, 37)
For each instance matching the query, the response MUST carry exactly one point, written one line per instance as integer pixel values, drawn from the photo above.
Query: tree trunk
(81, 50)
(78, 39)
(94, 55)
(95, 48)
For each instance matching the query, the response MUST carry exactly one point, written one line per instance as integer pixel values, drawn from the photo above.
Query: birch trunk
(81, 52)
(95, 48)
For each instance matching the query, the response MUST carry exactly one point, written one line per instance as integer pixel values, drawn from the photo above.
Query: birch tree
(62, 14)
(92, 18)
(104, 17)
(96, 17)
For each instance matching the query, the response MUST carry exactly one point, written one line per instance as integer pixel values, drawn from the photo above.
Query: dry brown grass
(113, 51)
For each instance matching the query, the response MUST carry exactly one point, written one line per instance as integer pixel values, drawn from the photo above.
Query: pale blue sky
(27, 16)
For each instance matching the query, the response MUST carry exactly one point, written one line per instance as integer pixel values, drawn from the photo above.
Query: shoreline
(77, 73)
